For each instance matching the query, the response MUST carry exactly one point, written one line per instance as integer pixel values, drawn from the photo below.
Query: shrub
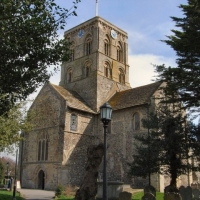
(59, 190)
(70, 190)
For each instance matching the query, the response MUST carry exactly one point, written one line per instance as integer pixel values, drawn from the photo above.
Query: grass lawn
(7, 195)
(136, 196)
(65, 198)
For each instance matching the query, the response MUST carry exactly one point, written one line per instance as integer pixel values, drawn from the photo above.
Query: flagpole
(96, 7)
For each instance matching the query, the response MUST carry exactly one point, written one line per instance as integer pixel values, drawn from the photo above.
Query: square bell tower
(98, 66)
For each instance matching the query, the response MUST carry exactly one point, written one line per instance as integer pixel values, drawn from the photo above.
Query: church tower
(98, 66)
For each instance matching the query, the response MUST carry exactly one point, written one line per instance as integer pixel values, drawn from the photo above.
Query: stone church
(67, 118)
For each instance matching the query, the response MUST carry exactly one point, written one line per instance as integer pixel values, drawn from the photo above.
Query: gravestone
(150, 189)
(188, 193)
(148, 196)
(125, 196)
(194, 185)
(196, 194)
(171, 188)
(182, 191)
(172, 196)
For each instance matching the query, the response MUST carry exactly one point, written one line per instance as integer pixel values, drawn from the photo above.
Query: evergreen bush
(59, 190)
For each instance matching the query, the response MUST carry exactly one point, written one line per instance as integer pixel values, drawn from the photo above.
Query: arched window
(73, 122)
(107, 70)
(87, 71)
(119, 52)
(121, 76)
(107, 46)
(69, 76)
(136, 121)
(72, 51)
(43, 148)
(88, 46)
(39, 150)
(72, 54)
(87, 68)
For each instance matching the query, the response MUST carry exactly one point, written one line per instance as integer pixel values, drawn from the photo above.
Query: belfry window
(88, 46)
(136, 121)
(106, 47)
(72, 51)
(121, 76)
(119, 52)
(43, 148)
(107, 70)
(87, 71)
(72, 55)
(87, 68)
(69, 76)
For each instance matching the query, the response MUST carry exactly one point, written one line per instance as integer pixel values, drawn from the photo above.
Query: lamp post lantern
(106, 113)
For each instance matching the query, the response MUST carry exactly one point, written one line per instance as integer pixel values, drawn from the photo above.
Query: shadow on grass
(9, 196)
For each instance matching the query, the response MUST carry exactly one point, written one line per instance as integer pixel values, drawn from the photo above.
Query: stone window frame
(136, 121)
(88, 45)
(107, 46)
(72, 51)
(71, 129)
(121, 76)
(87, 68)
(69, 75)
(43, 147)
(107, 70)
(119, 50)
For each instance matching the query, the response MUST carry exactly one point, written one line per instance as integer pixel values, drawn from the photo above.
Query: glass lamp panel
(108, 113)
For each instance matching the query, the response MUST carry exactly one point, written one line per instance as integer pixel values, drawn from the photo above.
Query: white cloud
(141, 70)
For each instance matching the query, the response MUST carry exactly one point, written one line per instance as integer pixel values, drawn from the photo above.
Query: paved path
(31, 194)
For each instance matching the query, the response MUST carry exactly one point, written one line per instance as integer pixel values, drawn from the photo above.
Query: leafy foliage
(11, 124)
(170, 146)
(10, 167)
(2, 170)
(185, 78)
(30, 45)
(59, 190)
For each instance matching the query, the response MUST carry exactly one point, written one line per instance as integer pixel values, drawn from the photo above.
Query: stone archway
(41, 180)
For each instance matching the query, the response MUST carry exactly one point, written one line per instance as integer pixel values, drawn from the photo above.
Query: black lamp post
(106, 112)
(15, 180)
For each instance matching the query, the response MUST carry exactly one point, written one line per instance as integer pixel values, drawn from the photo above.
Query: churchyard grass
(135, 196)
(7, 195)
(138, 196)
(65, 198)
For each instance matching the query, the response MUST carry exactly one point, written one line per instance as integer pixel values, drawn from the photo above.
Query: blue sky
(146, 22)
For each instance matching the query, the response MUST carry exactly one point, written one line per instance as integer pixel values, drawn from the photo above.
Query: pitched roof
(133, 97)
(73, 100)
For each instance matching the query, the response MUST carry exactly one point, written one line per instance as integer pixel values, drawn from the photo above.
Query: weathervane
(96, 7)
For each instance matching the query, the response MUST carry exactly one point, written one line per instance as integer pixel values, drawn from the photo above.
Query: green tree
(12, 123)
(30, 45)
(145, 153)
(2, 171)
(185, 78)
(169, 147)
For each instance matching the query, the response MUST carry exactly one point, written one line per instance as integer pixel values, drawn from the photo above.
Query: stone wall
(48, 119)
